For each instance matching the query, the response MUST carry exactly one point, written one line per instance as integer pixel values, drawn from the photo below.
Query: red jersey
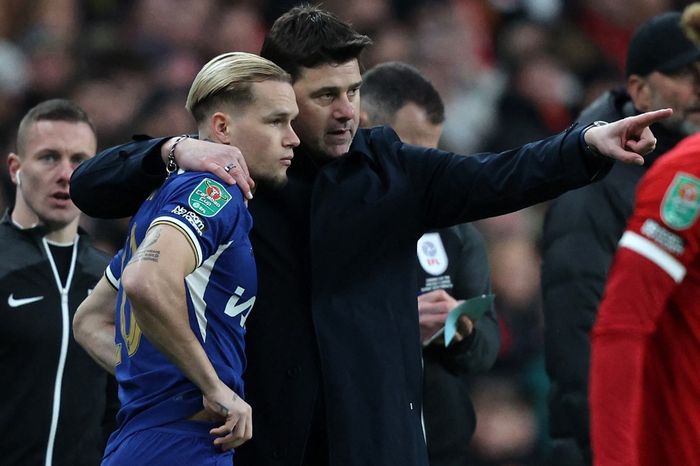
(645, 362)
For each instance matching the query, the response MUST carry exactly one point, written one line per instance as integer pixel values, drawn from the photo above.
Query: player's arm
(93, 325)
(641, 280)
(154, 283)
(116, 181)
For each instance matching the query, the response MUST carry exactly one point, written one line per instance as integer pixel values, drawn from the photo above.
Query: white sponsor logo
(664, 237)
(233, 308)
(191, 217)
(15, 302)
(431, 254)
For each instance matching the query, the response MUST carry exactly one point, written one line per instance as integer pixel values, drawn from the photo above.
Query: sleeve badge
(208, 198)
(681, 203)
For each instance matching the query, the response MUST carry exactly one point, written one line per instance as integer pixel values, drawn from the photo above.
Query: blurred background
(510, 71)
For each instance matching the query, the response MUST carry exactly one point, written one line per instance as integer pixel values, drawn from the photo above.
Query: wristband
(171, 165)
(589, 148)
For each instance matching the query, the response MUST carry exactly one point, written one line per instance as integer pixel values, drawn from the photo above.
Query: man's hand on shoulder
(222, 160)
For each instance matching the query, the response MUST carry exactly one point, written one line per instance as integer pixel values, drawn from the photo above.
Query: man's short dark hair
(51, 110)
(307, 36)
(386, 88)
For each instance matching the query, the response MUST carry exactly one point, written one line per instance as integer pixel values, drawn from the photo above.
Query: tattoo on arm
(151, 237)
(146, 255)
(143, 253)
(223, 410)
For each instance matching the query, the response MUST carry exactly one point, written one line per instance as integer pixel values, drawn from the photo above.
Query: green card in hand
(474, 308)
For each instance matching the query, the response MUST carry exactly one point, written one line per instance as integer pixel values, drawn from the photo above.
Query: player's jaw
(272, 172)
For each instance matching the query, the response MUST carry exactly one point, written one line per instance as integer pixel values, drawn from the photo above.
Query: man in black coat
(582, 227)
(334, 374)
(452, 266)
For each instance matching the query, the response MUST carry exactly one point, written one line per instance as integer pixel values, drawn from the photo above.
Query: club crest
(681, 203)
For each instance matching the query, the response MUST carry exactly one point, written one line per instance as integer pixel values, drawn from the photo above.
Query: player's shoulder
(203, 184)
(671, 188)
(684, 157)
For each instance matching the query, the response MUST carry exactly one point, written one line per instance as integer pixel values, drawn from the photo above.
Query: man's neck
(62, 235)
(65, 235)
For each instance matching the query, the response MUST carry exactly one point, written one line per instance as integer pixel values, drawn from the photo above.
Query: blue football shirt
(220, 295)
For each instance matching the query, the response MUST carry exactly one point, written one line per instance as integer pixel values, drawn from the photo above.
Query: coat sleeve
(116, 181)
(455, 189)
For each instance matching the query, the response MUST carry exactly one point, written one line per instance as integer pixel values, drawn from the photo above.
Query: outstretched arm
(450, 188)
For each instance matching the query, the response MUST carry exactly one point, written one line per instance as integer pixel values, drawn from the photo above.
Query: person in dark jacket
(452, 266)
(582, 227)
(54, 397)
(334, 357)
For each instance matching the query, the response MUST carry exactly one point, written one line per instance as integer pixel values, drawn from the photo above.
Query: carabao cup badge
(208, 198)
(681, 203)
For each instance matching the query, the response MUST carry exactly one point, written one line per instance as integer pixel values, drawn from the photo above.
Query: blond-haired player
(186, 281)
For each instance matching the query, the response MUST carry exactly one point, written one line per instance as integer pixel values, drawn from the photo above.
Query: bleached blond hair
(228, 79)
(690, 22)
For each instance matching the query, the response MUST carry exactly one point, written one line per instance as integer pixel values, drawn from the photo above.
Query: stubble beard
(271, 182)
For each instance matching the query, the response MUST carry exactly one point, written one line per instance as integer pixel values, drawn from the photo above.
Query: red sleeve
(634, 299)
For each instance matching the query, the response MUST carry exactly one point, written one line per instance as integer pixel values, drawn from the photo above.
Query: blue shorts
(181, 443)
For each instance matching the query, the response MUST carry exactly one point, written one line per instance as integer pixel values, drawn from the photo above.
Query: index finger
(648, 118)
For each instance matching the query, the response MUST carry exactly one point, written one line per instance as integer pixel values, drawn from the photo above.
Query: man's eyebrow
(335, 89)
(326, 90)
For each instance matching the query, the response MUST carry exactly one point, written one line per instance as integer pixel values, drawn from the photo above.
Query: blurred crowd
(510, 71)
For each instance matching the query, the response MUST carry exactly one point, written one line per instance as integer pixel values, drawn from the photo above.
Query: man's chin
(324, 153)
(333, 152)
(55, 224)
(267, 182)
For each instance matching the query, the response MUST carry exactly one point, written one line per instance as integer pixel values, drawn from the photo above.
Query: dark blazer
(336, 314)
(581, 232)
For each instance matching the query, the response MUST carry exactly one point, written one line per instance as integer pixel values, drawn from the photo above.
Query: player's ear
(220, 126)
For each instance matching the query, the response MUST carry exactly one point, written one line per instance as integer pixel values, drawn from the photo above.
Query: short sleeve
(113, 272)
(209, 213)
